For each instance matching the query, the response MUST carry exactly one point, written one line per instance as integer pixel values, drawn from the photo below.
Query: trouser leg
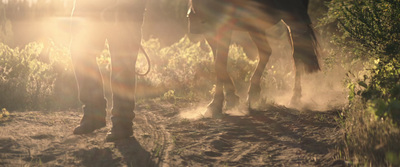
(87, 43)
(124, 43)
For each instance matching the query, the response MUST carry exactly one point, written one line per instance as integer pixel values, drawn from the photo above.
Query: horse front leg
(220, 46)
(296, 90)
(264, 52)
(231, 98)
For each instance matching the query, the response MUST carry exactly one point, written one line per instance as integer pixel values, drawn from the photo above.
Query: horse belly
(254, 19)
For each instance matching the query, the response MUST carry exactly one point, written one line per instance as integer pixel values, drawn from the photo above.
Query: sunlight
(30, 2)
(250, 104)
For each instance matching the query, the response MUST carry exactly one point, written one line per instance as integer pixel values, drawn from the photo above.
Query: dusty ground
(270, 136)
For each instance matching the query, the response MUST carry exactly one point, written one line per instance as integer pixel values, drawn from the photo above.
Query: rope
(148, 63)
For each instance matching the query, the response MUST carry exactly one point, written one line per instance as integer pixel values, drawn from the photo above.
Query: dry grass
(369, 141)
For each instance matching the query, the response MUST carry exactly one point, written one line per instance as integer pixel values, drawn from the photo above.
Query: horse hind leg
(296, 98)
(264, 52)
(305, 57)
(231, 98)
(214, 108)
(220, 50)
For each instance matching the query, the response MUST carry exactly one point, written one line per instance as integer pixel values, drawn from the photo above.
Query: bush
(185, 68)
(24, 79)
(370, 28)
(369, 141)
(65, 91)
(188, 67)
(27, 81)
(370, 31)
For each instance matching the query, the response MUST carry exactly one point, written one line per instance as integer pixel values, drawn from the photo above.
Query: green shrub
(369, 141)
(369, 31)
(184, 68)
(188, 68)
(26, 81)
(4, 113)
(65, 92)
(369, 28)
(240, 67)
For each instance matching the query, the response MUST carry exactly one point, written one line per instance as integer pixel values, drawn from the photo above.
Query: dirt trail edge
(272, 136)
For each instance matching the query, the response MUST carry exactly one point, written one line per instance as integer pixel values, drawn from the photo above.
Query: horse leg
(297, 89)
(295, 100)
(214, 109)
(264, 52)
(304, 55)
(212, 42)
(231, 98)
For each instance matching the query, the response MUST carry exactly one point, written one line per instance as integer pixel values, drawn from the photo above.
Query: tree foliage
(371, 28)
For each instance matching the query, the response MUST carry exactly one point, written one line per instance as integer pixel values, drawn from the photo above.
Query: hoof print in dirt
(212, 154)
(42, 136)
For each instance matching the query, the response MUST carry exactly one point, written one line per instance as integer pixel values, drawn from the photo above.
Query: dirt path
(273, 136)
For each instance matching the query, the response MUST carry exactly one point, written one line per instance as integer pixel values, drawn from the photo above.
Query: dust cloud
(321, 91)
(195, 112)
(199, 112)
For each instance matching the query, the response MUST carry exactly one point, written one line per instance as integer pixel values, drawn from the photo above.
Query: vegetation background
(357, 38)
(367, 35)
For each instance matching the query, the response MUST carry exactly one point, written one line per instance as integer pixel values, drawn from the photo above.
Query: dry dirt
(270, 136)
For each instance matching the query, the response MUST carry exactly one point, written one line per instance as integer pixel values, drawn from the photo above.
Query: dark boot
(92, 120)
(122, 129)
(88, 126)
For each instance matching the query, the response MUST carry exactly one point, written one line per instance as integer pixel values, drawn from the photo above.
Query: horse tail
(305, 3)
(304, 49)
(301, 36)
(310, 56)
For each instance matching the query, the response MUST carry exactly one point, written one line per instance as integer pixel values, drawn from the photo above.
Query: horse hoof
(213, 113)
(294, 102)
(232, 101)
(254, 104)
(254, 95)
(254, 100)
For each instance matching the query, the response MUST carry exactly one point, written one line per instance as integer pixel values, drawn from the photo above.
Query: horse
(216, 19)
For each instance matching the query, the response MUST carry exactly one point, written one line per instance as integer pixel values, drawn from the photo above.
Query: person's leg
(124, 40)
(88, 42)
